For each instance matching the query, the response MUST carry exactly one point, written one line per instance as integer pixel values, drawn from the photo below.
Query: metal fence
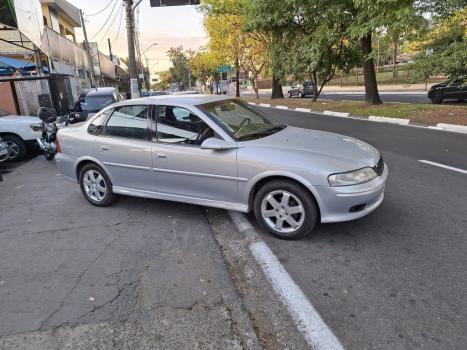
(27, 92)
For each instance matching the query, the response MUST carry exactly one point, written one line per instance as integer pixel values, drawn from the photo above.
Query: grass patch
(421, 113)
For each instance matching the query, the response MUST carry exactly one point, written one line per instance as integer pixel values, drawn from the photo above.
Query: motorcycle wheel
(49, 156)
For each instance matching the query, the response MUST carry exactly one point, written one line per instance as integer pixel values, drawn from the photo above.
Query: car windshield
(96, 103)
(240, 120)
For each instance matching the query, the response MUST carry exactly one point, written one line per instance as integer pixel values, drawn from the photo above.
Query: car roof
(104, 91)
(187, 100)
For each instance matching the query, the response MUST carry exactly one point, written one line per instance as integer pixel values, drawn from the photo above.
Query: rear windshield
(96, 103)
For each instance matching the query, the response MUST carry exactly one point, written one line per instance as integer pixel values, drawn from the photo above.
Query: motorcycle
(49, 132)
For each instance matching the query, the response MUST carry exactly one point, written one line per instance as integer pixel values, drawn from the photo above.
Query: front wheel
(16, 146)
(436, 98)
(96, 186)
(49, 156)
(286, 209)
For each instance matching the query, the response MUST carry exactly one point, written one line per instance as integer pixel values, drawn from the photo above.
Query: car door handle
(104, 148)
(161, 155)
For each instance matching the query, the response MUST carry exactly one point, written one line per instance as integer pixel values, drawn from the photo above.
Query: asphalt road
(396, 279)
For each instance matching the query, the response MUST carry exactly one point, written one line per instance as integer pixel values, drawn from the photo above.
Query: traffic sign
(224, 69)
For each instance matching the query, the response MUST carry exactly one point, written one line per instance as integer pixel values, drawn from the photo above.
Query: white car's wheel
(96, 186)
(285, 209)
(16, 146)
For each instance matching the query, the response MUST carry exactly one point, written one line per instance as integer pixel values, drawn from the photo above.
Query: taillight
(57, 145)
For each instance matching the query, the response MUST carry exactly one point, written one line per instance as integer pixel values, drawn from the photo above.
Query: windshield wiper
(264, 132)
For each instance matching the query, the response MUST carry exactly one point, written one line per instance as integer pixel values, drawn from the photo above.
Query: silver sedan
(224, 153)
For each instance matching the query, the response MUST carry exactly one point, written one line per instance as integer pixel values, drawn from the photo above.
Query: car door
(124, 148)
(181, 167)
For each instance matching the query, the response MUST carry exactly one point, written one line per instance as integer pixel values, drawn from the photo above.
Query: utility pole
(130, 29)
(110, 50)
(87, 48)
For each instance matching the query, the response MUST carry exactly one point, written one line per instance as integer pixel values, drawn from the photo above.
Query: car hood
(21, 119)
(338, 152)
(440, 85)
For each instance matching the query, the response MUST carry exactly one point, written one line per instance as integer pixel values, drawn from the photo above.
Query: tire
(301, 95)
(305, 214)
(92, 178)
(436, 98)
(49, 156)
(16, 145)
(290, 95)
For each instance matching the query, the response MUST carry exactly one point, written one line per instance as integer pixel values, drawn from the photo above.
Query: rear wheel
(285, 209)
(96, 186)
(436, 98)
(16, 146)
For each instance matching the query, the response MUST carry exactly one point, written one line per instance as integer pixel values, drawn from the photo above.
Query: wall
(61, 20)
(7, 102)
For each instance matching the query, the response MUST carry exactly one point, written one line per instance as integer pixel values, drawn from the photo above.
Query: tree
(443, 50)
(224, 22)
(203, 64)
(180, 71)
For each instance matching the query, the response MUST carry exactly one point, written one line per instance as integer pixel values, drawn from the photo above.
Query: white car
(20, 133)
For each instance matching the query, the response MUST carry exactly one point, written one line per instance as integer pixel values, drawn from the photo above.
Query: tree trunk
(369, 74)
(394, 60)
(315, 87)
(255, 88)
(237, 75)
(276, 88)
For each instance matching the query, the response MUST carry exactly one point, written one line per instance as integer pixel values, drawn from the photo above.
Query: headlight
(352, 177)
(36, 127)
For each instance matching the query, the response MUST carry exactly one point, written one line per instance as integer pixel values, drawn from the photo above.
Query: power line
(107, 20)
(101, 10)
(111, 23)
(119, 25)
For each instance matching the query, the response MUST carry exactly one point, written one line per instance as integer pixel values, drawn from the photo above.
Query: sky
(166, 26)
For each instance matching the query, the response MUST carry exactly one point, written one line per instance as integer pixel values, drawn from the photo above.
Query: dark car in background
(453, 89)
(92, 101)
(302, 89)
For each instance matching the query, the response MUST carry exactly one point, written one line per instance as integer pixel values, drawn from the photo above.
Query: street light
(153, 44)
(148, 81)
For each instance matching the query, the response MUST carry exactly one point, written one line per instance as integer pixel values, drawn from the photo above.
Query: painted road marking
(444, 166)
(307, 320)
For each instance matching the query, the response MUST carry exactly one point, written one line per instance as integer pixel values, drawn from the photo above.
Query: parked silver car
(220, 152)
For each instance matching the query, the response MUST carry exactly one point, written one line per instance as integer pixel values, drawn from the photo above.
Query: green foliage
(180, 71)
(448, 42)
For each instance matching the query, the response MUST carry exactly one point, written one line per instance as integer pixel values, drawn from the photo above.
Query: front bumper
(346, 203)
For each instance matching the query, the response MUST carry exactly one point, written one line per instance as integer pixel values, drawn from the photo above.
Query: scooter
(49, 132)
(4, 154)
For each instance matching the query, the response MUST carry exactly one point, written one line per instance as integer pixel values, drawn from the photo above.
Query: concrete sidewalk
(141, 274)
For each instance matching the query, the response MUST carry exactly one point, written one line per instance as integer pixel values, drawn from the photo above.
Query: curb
(373, 118)
(452, 127)
(399, 121)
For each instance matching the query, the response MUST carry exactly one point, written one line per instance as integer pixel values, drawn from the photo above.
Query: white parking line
(444, 166)
(307, 320)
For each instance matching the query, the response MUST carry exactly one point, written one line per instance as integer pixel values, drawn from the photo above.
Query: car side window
(96, 126)
(129, 122)
(178, 125)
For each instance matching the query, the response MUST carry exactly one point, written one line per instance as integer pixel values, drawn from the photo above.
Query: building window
(45, 21)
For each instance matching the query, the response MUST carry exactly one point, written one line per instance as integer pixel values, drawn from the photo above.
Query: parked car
(453, 89)
(158, 93)
(97, 99)
(220, 152)
(302, 89)
(20, 133)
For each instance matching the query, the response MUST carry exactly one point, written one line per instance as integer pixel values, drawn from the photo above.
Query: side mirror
(218, 144)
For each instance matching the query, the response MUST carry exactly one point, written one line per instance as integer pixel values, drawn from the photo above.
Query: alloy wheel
(283, 211)
(14, 149)
(94, 185)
